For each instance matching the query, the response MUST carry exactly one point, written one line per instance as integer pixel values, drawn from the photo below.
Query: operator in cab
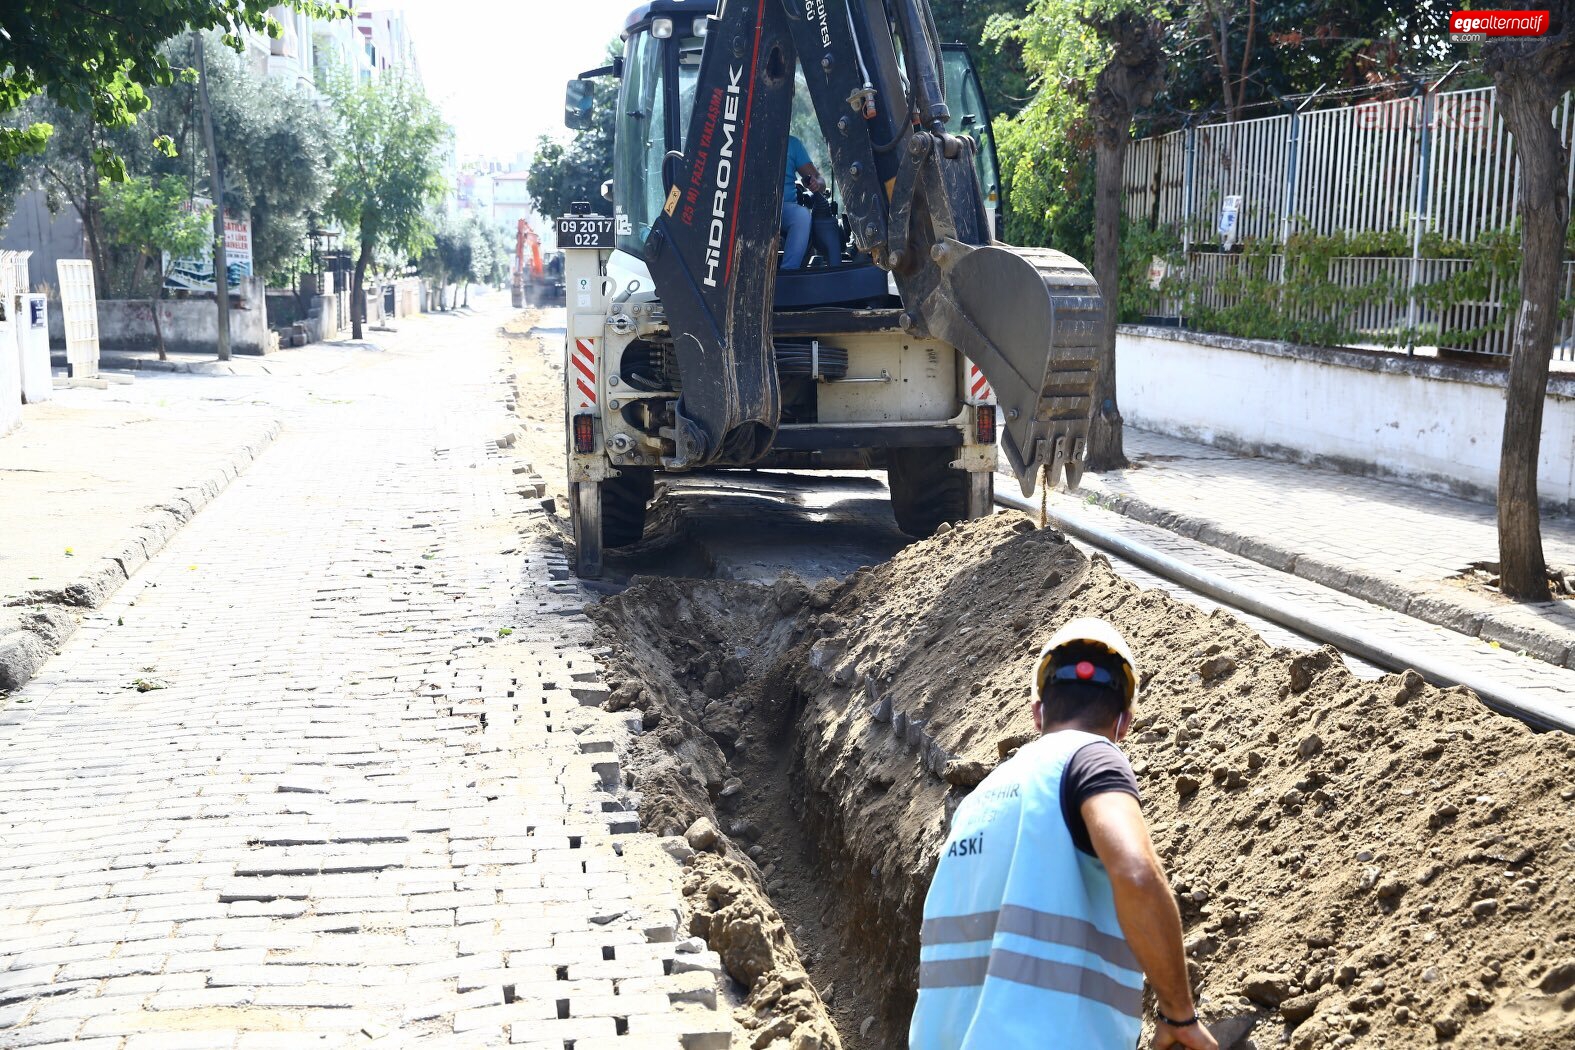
(1049, 904)
(797, 220)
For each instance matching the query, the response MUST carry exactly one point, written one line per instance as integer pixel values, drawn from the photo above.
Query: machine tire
(925, 490)
(624, 499)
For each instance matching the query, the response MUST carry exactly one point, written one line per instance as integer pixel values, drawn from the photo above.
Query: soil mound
(1375, 863)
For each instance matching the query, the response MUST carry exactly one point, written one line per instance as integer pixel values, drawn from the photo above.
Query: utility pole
(221, 262)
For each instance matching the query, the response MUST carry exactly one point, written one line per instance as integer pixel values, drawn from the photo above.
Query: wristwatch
(1175, 1024)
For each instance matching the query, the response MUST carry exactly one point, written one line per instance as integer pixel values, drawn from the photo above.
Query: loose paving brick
(350, 809)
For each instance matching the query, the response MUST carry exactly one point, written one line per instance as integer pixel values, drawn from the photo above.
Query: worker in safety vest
(1049, 904)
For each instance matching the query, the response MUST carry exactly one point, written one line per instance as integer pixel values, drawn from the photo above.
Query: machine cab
(658, 72)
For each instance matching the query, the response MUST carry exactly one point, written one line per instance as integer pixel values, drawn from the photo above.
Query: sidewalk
(96, 482)
(1388, 543)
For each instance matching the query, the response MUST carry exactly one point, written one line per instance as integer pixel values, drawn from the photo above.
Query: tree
(389, 175)
(1532, 75)
(69, 173)
(1116, 48)
(258, 123)
(448, 257)
(157, 221)
(99, 57)
(493, 248)
(1132, 75)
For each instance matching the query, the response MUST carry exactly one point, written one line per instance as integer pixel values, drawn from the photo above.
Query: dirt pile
(1383, 864)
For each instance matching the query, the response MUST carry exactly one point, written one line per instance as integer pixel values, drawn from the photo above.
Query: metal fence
(1372, 167)
(1442, 163)
(1381, 317)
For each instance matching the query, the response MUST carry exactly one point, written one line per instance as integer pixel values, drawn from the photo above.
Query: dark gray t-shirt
(1093, 770)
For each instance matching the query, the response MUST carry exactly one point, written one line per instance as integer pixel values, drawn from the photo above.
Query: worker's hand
(1193, 1037)
(817, 184)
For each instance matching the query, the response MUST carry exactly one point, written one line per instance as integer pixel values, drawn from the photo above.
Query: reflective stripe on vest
(1020, 934)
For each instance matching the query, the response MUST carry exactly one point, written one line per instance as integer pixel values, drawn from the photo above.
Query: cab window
(641, 141)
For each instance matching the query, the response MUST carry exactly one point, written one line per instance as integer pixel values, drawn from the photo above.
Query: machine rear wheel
(925, 490)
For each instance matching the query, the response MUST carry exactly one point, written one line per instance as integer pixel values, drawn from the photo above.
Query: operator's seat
(852, 284)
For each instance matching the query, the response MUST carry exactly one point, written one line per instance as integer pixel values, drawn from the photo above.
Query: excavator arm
(1029, 318)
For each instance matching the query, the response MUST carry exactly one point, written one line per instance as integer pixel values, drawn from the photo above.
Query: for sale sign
(195, 274)
(1469, 26)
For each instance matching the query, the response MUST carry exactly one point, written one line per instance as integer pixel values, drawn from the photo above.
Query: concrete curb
(124, 363)
(1512, 626)
(143, 364)
(44, 620)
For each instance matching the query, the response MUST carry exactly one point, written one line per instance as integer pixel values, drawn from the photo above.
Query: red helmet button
(1085, 670)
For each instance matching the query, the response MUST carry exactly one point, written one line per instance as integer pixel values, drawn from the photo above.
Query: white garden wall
(1430, 422)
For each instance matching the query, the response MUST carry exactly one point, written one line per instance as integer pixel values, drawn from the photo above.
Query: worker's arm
(1146, 910)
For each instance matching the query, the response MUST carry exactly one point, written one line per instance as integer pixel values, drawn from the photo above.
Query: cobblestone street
(320, 774)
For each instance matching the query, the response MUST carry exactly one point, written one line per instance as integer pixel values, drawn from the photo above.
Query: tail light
(585, 433)
(984, 424)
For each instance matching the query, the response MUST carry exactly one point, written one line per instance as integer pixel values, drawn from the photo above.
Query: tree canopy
(1223, 58)
(100, 57)
(390, 169)
(258, 121)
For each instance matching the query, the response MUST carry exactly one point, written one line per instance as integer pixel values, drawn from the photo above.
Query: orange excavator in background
(536, 282)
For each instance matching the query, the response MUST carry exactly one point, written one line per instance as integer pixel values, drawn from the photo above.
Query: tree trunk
(1105, 451)
(158, 326)
(1134, 74)
(95, 240)
(1527, 107)
(357, 288)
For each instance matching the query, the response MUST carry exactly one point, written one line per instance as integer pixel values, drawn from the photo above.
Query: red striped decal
(980, 387)
(584, 358)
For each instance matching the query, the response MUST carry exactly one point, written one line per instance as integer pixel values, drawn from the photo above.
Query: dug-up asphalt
(324, 773)
(1391, 544)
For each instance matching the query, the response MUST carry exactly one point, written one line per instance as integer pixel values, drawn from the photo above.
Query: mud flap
(585, 516)
(1030, 318)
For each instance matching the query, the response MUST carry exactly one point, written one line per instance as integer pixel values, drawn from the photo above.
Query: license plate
(587, 231)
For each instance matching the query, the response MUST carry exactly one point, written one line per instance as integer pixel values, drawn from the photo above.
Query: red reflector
(1085, 670)
(585, 434)
(984, 424)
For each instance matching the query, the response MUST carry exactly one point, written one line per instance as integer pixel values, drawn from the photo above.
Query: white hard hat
(1090, 631)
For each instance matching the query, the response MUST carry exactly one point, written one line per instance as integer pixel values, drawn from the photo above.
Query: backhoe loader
(901, 341)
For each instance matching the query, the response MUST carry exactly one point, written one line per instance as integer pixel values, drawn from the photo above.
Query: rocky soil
(1357, 863)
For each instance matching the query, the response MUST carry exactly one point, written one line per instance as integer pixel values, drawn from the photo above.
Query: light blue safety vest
(1020, 943)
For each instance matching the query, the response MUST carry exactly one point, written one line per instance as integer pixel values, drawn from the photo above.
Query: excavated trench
(1379, 863)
